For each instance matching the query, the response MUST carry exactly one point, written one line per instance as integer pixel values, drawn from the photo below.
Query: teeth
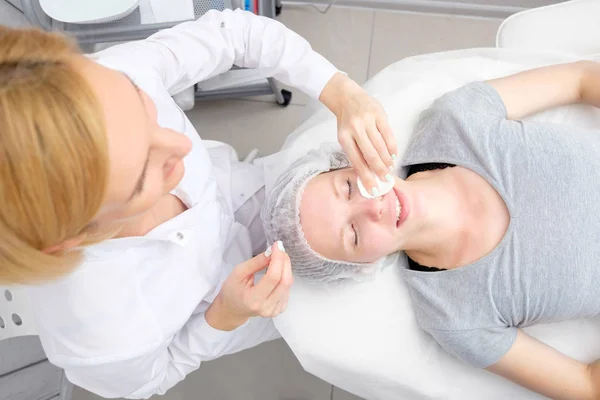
(398, 209)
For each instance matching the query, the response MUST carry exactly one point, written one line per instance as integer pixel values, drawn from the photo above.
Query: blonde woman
(139, 238)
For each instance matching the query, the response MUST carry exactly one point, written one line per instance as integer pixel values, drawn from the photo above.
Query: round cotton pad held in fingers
(382, 188)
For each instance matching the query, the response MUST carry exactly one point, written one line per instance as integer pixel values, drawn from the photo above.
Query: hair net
(281, 219)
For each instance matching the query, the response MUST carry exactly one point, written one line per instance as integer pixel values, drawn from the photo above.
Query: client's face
(340, 224)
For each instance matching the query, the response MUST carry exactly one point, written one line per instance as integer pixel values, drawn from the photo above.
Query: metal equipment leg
(283, 97)
(267, 8)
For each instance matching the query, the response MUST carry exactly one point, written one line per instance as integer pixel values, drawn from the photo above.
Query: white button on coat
(180, 237)
(130, 322)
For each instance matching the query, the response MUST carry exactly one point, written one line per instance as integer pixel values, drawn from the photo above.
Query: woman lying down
(499, 219)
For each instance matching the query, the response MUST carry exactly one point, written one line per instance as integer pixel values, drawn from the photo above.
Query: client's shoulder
(473, 99)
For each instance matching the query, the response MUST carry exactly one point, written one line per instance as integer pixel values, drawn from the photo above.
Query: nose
(172, 143)
(369, 208)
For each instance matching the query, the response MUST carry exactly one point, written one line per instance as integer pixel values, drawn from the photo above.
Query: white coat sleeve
(197, 50)
(157, 371)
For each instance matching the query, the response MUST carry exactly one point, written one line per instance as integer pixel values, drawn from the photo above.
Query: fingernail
(391, 167)
(280, 245)
(374, 192)
(389, 178)
(268, 252)
(394, 157)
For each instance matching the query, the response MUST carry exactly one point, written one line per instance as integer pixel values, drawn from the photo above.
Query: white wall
(482, 8)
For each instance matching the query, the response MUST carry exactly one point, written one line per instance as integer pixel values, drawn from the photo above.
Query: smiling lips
(401, 207)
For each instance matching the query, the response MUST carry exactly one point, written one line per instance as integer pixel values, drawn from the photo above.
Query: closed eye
(350, 190)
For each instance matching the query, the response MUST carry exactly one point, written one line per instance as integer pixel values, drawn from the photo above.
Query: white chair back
(571, 27)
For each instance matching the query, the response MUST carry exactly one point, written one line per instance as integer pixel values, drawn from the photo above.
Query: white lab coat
(130, 322)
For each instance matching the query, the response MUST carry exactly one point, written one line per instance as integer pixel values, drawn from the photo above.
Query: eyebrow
(139, 186)
(338, 195)
(334, 186)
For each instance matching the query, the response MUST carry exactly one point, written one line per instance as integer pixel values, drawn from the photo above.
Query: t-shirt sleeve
(475, 98)
(482, 347)
(458, 126)
(462, 125)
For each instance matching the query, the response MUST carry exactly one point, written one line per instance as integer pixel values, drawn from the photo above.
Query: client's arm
(539, 89)
(540, 368)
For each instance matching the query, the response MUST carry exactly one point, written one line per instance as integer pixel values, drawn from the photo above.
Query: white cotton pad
(382, 187)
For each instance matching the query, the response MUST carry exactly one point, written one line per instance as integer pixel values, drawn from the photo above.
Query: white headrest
(88, 11)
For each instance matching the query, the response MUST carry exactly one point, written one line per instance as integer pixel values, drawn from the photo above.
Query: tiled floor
(397, 36)
(360, 42)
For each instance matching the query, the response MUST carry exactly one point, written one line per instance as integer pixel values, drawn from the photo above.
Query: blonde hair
(53, 155)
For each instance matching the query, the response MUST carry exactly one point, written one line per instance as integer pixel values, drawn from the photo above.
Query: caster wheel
(287, 98)
(278, 10)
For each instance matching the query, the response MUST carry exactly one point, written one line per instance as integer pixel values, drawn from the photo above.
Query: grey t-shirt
(547, 266)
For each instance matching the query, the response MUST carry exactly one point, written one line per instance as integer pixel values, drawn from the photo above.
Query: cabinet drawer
(37, 382)
(20, 352)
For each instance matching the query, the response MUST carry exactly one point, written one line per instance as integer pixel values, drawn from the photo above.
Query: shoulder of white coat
(96, 312)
